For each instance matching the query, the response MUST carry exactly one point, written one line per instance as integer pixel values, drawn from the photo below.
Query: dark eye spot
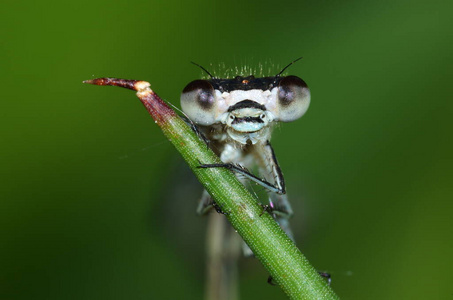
(202, 91)
(290, 89)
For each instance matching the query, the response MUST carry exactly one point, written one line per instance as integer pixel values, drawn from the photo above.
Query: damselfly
(237, 116)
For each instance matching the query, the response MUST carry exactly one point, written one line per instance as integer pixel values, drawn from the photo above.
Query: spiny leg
(270, 170)
(278, 202)
(279, 206)
(198, 131)
(241, 170)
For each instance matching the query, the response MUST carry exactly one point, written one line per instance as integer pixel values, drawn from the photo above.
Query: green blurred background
(85, 207)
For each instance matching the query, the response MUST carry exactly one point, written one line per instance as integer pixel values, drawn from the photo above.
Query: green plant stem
(279, 255)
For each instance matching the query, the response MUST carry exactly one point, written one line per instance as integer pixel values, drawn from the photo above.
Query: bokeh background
(93, 198)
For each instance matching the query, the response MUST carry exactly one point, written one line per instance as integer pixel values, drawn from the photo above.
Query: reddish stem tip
(128, 84)
(156, 107)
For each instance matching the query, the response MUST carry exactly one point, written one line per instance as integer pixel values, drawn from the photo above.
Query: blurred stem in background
(223, 251)
(275, 250)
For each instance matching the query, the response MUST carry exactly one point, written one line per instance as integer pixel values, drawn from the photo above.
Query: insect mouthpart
(247, 116)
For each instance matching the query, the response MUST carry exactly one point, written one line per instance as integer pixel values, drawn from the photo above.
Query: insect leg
(206, 204)
(278, 202)
(196, 129)
(279, 206)
(241, 170)
(326, 276)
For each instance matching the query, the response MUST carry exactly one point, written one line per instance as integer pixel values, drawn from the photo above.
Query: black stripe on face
(245, 83)
(246, 104)
(248, 120)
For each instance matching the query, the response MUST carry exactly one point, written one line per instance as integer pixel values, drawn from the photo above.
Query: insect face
(245, 105)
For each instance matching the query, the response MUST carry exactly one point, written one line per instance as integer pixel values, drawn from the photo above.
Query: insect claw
(267, 208)
(218, 209)
(270, 280)
(326, 276)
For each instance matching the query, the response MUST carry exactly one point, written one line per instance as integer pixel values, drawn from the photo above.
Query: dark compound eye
(198, 102)
(200, 91)
(290, 88)
(293, 98)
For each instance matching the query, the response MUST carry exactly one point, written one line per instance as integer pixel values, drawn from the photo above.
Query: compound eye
(198, 102)
(293, 98)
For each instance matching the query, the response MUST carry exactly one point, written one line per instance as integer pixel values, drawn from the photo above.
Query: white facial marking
(227, 99)
(251, 120)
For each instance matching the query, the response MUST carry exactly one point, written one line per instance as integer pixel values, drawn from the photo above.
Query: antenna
(212, 77)
(283, 70)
